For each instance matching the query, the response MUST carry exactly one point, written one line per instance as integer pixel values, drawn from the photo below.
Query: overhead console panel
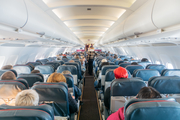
(13, 13)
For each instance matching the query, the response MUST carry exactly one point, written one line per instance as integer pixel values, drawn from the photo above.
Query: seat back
(41, 112)
(54, 94)
(60, 61)
(22, 69)
(156, 67)
(111, 63)
(116, 62)
(109, 77)
(132, 68)
(46, 70)
(42, 61)
(70, 68)
(124, 89)
(144, 64)
(70, 82)
(153, 110)
(103, 71)
(3, 71)
(170, 72)
(54, 64)
(33, 63)
(77, 66)
(166, 85)
(145, 74)
(30, 78)
(124, 64)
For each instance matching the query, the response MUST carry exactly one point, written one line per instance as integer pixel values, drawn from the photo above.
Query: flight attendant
(90, 59)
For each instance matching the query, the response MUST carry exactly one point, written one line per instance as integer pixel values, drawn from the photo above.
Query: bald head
(9, 75)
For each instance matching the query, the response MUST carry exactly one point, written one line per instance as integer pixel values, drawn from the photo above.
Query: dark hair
(134, 63)
(35, 71)
(126, 60)
(115, 56)
(144, 60)
(148, 92)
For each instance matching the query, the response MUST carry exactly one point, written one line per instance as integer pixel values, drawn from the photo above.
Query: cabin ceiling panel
(89, 19)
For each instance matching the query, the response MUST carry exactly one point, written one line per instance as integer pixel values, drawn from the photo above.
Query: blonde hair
(56, 77)
(103, 60)
(66, 72)
(27, 98)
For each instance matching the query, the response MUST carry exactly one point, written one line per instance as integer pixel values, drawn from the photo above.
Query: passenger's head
(125, 59)
(115, 56)
(77, 57)
(71, 61)
(35, 71)
(144, 60)
(6, 67)
(56, 77)
(9, 75)
(27, 98)
(103, 60)
(134, 63)
(148, 92)
(120, 72)
(66, 72)
(118, 59)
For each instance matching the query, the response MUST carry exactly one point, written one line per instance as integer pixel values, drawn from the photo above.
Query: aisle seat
(22, 69)
(170, 72)
(124, 64)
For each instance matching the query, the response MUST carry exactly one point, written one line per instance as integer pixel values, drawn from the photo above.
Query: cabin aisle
(89, 110)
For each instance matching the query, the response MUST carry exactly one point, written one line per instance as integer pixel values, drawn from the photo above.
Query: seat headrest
(42, 61)
(60, 61)
(69, 80)
(166, 84)
(45, 69)
(56, 94)
(54, 64)
(34, 63)
(170, 72)
(31, 78)
(111, 63)
(135, 100)
(153, 111)
(156, 67)
(144, 64)
(124, 64)
(106, 67)
(3, 71)
(109, 76)
(145, 74)
(22, 84)
(131, 68)
(70, 68)
(126, 87)
(22, 69)
(116, 62)
(44, 108)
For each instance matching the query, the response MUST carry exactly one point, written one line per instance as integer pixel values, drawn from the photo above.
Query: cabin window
(169, 66)
(157, 62)
(2, 59)
(12, 60)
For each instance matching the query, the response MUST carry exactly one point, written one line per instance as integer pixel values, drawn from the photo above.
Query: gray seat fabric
(22, 69)
(145, 74)
(45, 69)
(42, 112)
(54, 94)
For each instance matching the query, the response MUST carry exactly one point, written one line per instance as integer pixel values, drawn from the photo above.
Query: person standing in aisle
(90, 59)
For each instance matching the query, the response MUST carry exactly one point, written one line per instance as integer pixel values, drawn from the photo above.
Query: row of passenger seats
(53, 94)
(166, 81)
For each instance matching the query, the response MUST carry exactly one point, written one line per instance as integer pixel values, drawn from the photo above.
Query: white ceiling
(89, 25)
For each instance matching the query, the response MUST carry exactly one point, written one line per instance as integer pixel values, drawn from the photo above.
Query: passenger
(119, 73)
(35, 71)
(58, 77)
(8, 92)
(144, 60)
(83, 68)
(90, 59)
(118, 59)
(144, 93)
(71, 61)
(134, 63)
(97, 83)
(7, 67)
(27, 98)
(76, 89)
